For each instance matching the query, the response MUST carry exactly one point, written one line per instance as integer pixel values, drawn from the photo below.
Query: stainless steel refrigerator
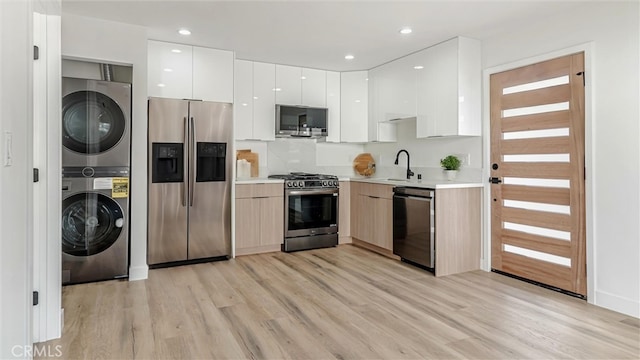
(189, 180)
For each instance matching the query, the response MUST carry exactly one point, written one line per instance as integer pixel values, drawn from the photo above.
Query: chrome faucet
(409, 172)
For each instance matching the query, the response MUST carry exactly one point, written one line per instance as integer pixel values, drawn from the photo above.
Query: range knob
(289, 184)
(300, 183)
(324, 183)
(335, 183)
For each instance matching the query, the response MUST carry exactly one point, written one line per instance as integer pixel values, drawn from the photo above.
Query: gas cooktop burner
(302, 180)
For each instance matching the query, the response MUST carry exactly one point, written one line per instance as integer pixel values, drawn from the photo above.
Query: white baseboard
(138, 272)
(617, 303)
(484, 265)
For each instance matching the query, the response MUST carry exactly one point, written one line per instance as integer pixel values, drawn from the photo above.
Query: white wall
(613, 29)
(105, 41)
(16, 210)
(425, 154)
(285, 155)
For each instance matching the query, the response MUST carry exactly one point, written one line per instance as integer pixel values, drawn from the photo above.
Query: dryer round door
(91, 223)
(92, 122)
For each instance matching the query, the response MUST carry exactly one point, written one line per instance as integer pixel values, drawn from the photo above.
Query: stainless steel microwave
(301, 121)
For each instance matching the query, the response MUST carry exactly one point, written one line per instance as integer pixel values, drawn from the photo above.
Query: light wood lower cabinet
(259, 218)
(457, 221)
(458, 230)
(372, 216)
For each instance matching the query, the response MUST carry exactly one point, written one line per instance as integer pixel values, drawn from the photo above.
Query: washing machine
(95, 224)
(96, 123)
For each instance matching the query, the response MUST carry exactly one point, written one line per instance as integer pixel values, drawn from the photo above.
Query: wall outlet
(465, 159)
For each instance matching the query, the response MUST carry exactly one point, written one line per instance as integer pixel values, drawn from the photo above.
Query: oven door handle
(333, 192)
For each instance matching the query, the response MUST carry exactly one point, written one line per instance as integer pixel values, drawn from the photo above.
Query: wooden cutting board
(252, 158)
(364, 164)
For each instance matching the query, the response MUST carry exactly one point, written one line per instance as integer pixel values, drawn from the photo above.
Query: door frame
(587, 48)
(47, 141)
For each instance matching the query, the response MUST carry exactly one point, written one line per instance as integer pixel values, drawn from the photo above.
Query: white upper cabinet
(260, 86)
(288, 85)
(333, 106)
(243, 96)
(405, 99)
(169, 72)
(354, 122)
(300, 86)
(314, 85)
(395, 89)
(212, 74)
(449, 89)
(188, 72)
(264, 101)
(378, 128)
(254, 108)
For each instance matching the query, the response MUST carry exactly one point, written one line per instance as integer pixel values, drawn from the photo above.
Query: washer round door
(91, 122)
(91, 223)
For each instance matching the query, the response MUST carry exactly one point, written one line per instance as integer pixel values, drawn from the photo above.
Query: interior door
(538, 177)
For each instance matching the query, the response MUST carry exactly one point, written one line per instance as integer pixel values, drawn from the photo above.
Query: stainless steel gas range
(311, 211)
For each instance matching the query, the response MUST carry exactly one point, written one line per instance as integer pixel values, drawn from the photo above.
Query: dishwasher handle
(419, 198)
(414, 192)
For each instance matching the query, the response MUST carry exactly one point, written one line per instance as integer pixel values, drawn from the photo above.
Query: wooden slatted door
(537, 169)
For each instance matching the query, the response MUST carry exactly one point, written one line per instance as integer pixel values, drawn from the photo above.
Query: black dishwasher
(414, 225)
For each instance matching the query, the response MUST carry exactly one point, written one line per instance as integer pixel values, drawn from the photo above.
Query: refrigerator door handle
(185, 157)
(194, 161)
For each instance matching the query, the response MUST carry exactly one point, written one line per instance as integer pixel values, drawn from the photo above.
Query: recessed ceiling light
(418, 67)
(184, 32)
(303, 77)
(161, 85)
(276, 89)
(168, 70)
(177, 51)
(405, 31)
(349, 57)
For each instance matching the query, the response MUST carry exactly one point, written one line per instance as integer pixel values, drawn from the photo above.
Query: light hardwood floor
(344, 303)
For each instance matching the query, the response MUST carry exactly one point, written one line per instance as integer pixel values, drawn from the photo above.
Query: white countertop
(259, 180)
(425, 183)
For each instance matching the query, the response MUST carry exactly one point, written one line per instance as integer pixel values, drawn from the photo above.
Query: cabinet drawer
(259, 190)
(376, 190)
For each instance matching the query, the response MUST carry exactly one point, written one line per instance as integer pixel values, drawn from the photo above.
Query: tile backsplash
(305, 155)
(286, 155)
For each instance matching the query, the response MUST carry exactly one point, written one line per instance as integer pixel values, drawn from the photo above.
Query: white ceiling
(318, 34)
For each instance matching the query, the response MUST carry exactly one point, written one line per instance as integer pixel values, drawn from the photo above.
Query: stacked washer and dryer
(96, 128)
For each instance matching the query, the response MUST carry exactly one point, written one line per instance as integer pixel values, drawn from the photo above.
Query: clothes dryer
(95, 224)
(96, 123)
